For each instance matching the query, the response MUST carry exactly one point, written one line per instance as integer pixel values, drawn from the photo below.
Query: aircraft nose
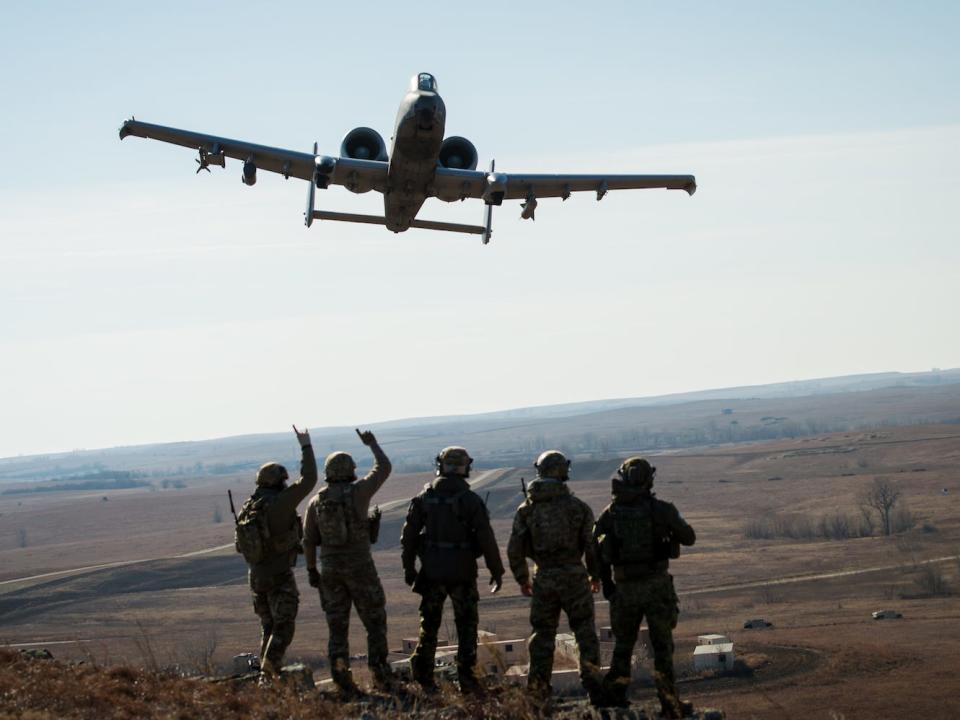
(426, 111)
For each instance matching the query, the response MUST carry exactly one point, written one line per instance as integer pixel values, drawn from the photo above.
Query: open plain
(148, 576)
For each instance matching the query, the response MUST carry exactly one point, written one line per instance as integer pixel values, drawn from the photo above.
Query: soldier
(637, 535)
(448, 528)
(268, 534)
(337, 521)
(552, 527)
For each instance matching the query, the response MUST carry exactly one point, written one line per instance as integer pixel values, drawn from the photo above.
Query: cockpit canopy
(424, 82)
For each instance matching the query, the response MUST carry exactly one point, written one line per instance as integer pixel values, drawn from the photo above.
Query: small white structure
(566, 645)
(712, 640)
(715, 657)
(564, 681)
(606, 635)
(496, 656)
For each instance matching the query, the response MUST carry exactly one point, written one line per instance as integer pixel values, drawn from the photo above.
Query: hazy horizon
(632, 401)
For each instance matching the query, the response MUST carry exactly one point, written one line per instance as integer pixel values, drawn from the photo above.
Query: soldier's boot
(269, 673)
(670, 706)
(424, 678)
(342, 677)
(593, 684)
(615, 691)
(598, 697)
(539, 689)
(383, 678)
(469, 684)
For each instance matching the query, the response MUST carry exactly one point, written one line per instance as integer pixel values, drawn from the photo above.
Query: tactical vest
(252, 536)
(445, 528)
(338, 522)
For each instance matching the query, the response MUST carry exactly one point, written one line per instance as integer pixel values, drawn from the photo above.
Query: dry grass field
(824, 657)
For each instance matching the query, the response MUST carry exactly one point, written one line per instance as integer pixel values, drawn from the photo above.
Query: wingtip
(691, 187)
(125, 129)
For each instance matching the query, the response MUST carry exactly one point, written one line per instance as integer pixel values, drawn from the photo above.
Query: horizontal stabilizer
(380, 220)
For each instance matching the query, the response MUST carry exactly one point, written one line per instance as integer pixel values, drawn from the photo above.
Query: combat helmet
(272, 474)
(637, 472)
(454, 460)
(553, 464)
(340, 467)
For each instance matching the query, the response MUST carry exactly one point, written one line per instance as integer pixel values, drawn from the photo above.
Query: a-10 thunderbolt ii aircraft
(421, 163)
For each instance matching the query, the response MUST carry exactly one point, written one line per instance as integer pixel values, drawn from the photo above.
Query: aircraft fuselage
(417, 137)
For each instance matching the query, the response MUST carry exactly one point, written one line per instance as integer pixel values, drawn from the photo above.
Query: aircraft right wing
(356, 175)
(460, 184)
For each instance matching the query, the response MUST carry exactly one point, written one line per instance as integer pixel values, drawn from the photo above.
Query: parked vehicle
(756, 623)
(886, 615)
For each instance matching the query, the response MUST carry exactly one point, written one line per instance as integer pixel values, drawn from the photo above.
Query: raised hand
(366, 437)
(302, 437)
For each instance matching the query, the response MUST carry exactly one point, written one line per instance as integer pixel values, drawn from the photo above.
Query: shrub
(932, 581)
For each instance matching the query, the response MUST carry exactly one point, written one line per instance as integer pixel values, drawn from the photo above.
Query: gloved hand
(526, 589)
(497, 582)
(313, 577)
(410, 577)
(609, 589)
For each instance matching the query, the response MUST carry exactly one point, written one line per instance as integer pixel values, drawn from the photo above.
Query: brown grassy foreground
(33, 689)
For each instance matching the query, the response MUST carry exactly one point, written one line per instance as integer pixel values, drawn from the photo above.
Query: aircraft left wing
(461, 184)
(354, 174)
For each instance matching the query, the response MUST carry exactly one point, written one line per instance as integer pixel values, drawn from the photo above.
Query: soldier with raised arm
(553, 528)
(338, 522)
(448, 528)
(635, 537)
(268, 534)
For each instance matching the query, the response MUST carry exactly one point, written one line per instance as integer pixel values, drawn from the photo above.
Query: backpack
(252, 536)
(552, 526)
(338, 523)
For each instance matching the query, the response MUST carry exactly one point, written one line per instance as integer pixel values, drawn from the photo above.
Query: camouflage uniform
(552, 527)
(636, 535)
(447, 527)
(275, 595)
(348, 575)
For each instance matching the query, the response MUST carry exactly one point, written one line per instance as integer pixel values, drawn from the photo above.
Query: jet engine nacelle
(458, 153)
(363, 143)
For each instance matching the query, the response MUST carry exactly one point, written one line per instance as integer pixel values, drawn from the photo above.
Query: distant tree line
(881, 510)
(101, 480)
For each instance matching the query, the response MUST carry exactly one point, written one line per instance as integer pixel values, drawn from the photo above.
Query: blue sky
(140, 303)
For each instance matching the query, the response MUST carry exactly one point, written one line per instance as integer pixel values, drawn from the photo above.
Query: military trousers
(653, 597)
(568, 589)
(352, 581)
(464, 598)
(276, 601)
